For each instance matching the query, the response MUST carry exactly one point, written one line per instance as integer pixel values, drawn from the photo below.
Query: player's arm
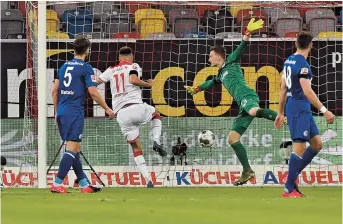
(238, 53)
(104, 77)
(205, 85)
(94, 93)
(310, 94)
(134, 80)
(312, 97)
(282, 99)
(279, 120)
(99, 81)
(91, 84)
(251, 28)
(54, 93)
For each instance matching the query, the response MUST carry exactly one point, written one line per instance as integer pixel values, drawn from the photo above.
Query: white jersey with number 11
(123, 92)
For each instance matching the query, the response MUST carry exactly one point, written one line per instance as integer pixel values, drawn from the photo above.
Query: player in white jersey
(128, 105)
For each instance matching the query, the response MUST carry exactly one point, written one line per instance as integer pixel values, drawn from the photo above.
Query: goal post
(42, 98)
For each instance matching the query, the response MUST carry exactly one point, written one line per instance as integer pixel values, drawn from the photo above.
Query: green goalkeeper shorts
(243, 120)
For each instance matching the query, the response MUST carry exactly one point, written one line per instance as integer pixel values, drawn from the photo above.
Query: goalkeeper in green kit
(231, 76)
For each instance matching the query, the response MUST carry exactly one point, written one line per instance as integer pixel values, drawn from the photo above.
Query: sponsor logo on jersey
(304, 71)
(74, 63)
(290, 62)
(93, 77)
(67, 92)
(305, 133)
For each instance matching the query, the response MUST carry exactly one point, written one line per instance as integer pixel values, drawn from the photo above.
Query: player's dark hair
(304, 39)
(124, 51)
(219, 50)
(81, 45)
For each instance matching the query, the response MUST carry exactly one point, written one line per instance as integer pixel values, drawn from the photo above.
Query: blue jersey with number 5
(296, 67)
(75, 76)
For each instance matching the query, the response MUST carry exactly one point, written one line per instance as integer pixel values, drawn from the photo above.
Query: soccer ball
(206, 138)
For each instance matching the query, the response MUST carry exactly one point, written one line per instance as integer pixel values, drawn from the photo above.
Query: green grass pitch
(172, 206)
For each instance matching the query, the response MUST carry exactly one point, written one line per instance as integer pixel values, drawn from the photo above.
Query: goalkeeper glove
(254, 26)
(192, 90)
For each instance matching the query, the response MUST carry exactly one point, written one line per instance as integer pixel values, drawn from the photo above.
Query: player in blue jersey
(75, 77)
(296, 86)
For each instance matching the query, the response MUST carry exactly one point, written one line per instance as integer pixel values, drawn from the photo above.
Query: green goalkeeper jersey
(231, 76)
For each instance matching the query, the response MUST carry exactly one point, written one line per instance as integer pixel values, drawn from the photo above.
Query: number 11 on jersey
(119, 82)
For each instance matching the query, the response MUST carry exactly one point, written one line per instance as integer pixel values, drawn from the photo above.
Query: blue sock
(77, 166)
(65, 164)
(58, 180)
(307, 157)
(84, 183)
(293, 167)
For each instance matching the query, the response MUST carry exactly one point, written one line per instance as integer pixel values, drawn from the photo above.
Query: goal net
(171, 42)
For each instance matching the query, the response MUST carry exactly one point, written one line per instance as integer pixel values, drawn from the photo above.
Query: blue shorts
(302, 127)
(70, 127)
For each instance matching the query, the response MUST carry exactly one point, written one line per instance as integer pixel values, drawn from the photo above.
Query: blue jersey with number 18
(295, 68)
(75, 76)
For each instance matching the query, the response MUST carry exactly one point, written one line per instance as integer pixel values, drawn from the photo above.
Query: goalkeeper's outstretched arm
(251, 28)
(205, 85)
(238, 53)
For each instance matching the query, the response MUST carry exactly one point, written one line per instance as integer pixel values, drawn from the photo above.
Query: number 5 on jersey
(67, 77)
(119, 83)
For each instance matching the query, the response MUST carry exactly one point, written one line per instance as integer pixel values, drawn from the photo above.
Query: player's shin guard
(81, 176)
(65, 164)
(293, 168)
(266, 113)
(141, 165)
(307, 158)
(156, 127)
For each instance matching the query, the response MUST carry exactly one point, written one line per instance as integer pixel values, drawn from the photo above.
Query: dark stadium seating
(77, 21)
(135, 19)
(183, 20)
(320, 20)
(221, 21)
(12, 22)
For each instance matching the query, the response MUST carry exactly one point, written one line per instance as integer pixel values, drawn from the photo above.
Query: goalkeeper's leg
(251, 106)
(238, 128)
(263, 113)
